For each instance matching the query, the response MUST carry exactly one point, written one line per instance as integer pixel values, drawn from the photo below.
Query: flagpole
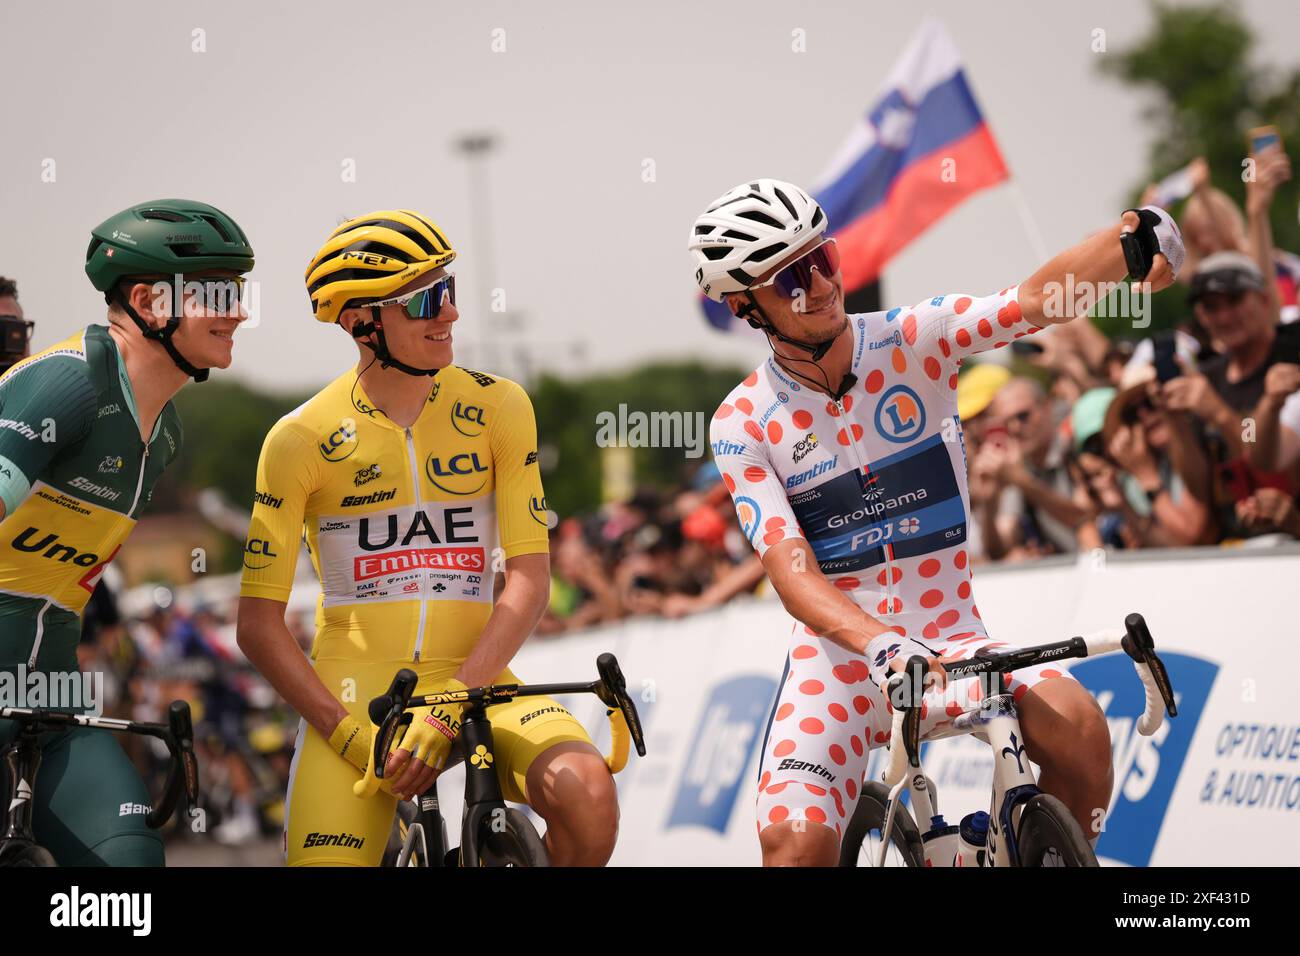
(1032, 232)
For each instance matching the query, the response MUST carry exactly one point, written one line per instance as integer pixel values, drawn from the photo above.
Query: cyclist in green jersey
(86, 428)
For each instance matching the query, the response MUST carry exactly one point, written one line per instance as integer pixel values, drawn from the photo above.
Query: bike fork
(1013, 777)
(22, 761)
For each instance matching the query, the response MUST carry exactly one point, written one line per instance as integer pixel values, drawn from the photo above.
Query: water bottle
(940, 842)
(973, 839)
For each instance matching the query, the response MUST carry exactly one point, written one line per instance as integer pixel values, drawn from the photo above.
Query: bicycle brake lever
(613, 693)
(388, 713)
(1141, 647)
(906, 691)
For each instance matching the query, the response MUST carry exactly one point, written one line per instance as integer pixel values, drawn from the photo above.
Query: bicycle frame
(22, 758)
(483, 796)
(997, 724)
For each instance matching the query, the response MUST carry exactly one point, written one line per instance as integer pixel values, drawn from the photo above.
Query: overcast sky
(591, 258)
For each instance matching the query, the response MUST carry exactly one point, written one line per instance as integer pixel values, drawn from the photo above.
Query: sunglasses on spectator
(797, 276)
(425, 303)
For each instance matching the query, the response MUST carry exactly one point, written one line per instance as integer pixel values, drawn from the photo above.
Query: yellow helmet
(371, 256)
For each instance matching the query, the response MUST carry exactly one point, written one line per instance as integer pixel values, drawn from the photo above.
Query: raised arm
(1099, 260)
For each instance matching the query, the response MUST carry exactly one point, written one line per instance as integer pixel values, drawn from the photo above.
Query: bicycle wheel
(861, 843)
(30, 855)
(1048, 835)
(510, 840)
(403, 820)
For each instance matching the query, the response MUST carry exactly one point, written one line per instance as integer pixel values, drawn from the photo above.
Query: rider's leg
(1066, 735)
(324, 824)
(799, 843)
(546, 760)
(826, 719)
(91, 803)
(571, 789)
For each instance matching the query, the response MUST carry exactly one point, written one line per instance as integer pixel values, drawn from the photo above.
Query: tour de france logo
(900, 415)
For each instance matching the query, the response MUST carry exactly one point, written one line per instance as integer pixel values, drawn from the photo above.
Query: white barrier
(1218, 785)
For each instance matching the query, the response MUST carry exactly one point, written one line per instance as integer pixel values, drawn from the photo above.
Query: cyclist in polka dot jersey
(844, 458)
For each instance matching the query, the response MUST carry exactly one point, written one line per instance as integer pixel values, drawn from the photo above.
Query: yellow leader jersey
(406, 526)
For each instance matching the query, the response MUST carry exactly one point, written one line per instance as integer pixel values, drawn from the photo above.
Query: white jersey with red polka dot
(876, 484)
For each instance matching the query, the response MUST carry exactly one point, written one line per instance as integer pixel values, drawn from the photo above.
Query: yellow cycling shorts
(325, 825)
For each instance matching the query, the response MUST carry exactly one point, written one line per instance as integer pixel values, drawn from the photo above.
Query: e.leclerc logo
(1146, 768)
(900, 415)
(725, 738)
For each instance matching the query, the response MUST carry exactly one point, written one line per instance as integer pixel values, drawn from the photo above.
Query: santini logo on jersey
(262, 498)
(723, 447)
(352, 501)
(818, 469)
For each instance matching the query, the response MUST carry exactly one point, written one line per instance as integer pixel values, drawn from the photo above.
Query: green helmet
(166, 236)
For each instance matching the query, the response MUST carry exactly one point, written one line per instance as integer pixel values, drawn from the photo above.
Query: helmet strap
(380, 346)
(162, 336)
(816, 352)
(764, 324)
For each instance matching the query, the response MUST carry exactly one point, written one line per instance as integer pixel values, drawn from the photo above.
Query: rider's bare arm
(516, 612)
(1098, 259)
(268, 644)
(811, 598)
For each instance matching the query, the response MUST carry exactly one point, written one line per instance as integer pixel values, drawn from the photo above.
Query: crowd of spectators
(1184, 437)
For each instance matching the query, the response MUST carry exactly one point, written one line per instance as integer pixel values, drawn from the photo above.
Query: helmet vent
(399, 227)
(166, 215)
(817, 217)
(714, 253)
(786, 202)
(758, 255)
(703, 230)
(762, 217)
(221, 230)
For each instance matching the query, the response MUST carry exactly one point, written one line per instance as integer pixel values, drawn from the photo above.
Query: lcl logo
(448, 474)
(340, 444)
(467, 419)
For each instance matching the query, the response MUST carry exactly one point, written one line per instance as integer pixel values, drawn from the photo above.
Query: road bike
(491, 833)
(22, 762)
(1025, 826)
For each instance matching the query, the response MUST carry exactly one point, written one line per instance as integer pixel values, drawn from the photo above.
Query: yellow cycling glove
(351, 740)
(428, 738)
(433, 728)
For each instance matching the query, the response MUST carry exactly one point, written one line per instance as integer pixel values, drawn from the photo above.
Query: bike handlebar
(904, 690)
(177, 734)
(390, 711)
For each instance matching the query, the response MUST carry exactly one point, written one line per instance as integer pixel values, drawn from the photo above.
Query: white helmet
(747, 230)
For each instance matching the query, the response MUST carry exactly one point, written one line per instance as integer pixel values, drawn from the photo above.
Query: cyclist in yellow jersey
(413, 482)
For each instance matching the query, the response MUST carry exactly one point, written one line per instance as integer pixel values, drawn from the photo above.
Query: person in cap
(1228, 293)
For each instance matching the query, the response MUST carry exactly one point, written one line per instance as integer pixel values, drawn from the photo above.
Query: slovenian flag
(921, 150)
